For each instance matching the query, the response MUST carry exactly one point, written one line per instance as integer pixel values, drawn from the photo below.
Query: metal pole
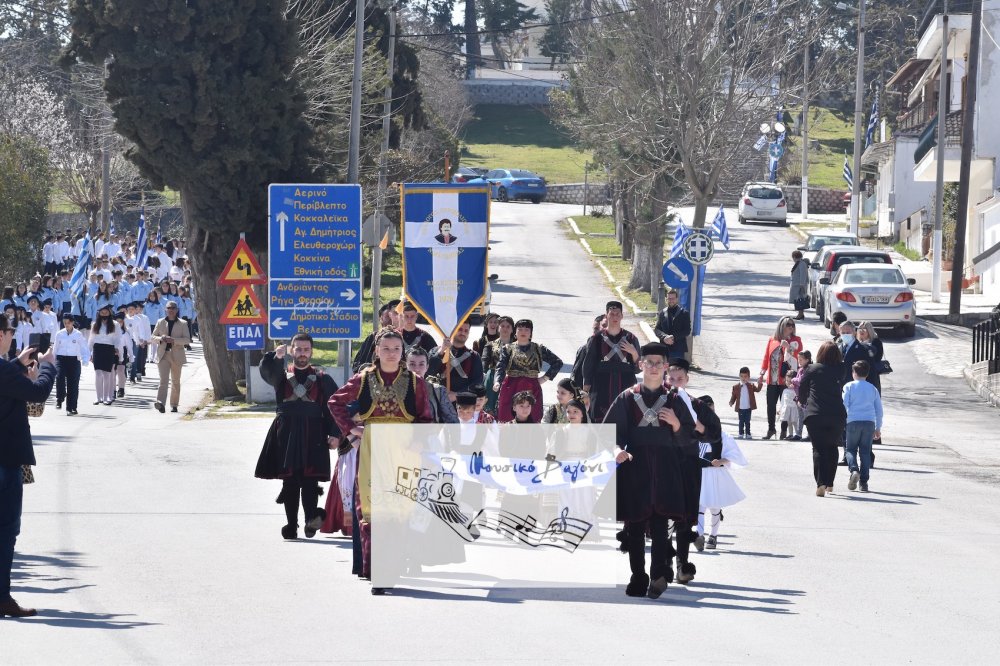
(355, 138)
(859, 84)
(585, 185)
(383, 167)
(695, 286)
(968, 139)
(942, 112)
(805, 134)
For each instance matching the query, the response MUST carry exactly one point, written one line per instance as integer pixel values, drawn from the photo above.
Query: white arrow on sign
(282, 218)
(245, 343)
(349, 294)
(681, 275)
(279, 323)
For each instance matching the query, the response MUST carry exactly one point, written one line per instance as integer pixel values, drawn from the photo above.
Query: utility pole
(968, 143)
(942, 112)
(859, 84)
(383, 167)
(805, 133)
(354, 148)
(106, 166)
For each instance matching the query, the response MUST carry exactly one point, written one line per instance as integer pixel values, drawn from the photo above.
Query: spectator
(783, 343)
(171, 335)
(864, 422)
(821, 392)
(798, 292)
(673, 326)
(869, 338)
(21, 381)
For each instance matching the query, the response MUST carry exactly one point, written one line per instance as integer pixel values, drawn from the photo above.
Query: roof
(909, 69)
(875, 153)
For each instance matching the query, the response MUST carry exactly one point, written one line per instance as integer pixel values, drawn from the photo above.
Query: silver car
(876, 293)
(817, 240)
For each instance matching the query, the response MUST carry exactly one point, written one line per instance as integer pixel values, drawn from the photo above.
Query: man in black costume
(654, 429)
(297, 447)
(611, 363)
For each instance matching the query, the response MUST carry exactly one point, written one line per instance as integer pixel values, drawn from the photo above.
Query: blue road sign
(314, 261)
(677, 272)
(245, 337)
(776, 150)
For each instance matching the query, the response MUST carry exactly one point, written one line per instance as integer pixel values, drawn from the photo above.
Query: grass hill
(835, 134)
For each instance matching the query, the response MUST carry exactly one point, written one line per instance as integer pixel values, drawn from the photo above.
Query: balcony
(915, 118)
(959, 31)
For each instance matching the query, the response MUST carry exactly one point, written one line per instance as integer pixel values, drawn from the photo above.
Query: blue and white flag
(772, 162)
(872, 122)
(159, 238)
(111, 223)
(446, 229)
(142, 243)
(848, 175)
(79, 277)
(680, 234)
(719, 229)
(761, 142)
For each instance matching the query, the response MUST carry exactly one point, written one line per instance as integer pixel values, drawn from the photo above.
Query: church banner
(445, 233)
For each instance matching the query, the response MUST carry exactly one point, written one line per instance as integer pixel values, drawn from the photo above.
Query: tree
(25, 180)
(503, 22)
(557, 43)
(473, 52)
(203, 90)
(674, 92)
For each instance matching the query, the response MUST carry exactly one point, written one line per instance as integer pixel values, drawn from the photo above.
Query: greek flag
(761, 142)
(872, 122)
(158, 236)
(445, 233)
(111, 223)
(680, 234)
(848, 175)
(142, 243)
(80, 271)
(719, 228)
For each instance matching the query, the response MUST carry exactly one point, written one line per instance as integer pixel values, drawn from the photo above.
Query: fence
(986, 343)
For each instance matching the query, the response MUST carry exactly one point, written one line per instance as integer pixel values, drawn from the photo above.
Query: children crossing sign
(244, 308)
(242, 267)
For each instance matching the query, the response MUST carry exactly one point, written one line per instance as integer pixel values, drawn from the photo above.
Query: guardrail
(986, 342)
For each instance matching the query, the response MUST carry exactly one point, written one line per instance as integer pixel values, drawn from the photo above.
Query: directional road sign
(314, 261)
(245, 338)
(698, 247)
(677, 272)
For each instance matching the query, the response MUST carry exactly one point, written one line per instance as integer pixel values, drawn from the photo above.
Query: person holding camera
(27, 379)
(171, 335)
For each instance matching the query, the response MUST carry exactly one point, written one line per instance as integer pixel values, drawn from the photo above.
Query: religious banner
(445, 233)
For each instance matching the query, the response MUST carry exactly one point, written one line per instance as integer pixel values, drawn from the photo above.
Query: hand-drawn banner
(445, 233)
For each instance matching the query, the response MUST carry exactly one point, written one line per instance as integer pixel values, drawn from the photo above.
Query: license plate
(532, 184)
(875, 299)
(763, 213)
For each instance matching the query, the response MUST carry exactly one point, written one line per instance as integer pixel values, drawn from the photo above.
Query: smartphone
(39, 342)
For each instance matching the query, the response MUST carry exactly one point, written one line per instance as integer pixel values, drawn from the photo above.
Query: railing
(916, 117)
(986, 342)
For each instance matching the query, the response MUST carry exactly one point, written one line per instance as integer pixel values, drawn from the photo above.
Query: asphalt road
(147, 539)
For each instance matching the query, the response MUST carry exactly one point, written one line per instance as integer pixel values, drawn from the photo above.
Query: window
(765, 193)
(521, 173)
(861, 259)
(874, 276)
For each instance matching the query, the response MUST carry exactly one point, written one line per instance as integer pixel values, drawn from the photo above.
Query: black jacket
(821, 392)
(15, 391)
(856, 352)
(676, 323)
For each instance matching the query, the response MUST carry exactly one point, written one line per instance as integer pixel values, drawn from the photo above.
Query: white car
(877, 293)
(817, 240)
(763, 201)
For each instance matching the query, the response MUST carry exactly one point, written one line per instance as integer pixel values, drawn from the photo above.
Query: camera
(40, 343)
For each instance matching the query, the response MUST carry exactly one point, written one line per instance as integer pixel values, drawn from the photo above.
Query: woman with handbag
(798, 291)
(784, 343)
(876, 362)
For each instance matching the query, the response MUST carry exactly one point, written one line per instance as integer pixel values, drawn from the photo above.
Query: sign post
(244, 314)
(314, 263)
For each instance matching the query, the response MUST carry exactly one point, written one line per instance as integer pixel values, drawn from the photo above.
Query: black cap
(680, 364)
(655, 349)
(478, 390)
(466, 399)
(707, 399)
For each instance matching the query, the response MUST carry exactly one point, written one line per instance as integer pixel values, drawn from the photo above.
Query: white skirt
(718, 488)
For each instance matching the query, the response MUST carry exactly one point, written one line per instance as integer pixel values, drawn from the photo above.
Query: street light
(771, 132)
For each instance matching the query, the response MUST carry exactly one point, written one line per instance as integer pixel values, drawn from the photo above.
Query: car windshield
(861, 259)
(873, 276)
(521, 173)
(764, 193)
(819, 242)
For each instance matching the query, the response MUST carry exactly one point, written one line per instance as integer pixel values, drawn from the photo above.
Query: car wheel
(908, 330)
(743, 220)
(502, 194)
(536, 200)
(821, 311)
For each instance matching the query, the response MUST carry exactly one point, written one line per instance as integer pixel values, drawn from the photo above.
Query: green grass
(835, 134)
(604, 246)
(522, 137)
(325, 353)
(912, 255)
(590, 224)
(620, 269)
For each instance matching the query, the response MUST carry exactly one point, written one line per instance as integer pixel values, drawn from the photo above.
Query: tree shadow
(80, 620)
(851, 496)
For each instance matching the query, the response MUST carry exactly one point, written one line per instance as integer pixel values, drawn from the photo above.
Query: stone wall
(598, 194)
(527, 93)
(821, 200)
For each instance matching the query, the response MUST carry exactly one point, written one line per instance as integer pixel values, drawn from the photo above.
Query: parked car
(763, 201)
(872, 292)
(465, 174)
(513, 184)
(816, 241)
(829, 260)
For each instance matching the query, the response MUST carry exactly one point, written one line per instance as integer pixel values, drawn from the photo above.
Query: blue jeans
(858, 447)
(744, 416)
(11, 493)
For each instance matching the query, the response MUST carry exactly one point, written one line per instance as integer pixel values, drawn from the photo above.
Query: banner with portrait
(445, 230)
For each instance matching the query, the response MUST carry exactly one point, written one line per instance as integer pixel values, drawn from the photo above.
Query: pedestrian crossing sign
(242, 267)
(244, 308)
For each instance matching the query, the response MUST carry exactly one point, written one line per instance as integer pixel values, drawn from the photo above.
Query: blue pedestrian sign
(314, 261)
(776, 150)
(677, 272)
(245, 337)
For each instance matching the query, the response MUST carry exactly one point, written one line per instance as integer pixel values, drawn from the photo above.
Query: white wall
(988, 91)
(896, 178)
(989, 270)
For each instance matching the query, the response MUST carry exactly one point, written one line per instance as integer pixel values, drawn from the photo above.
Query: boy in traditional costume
(611, 362)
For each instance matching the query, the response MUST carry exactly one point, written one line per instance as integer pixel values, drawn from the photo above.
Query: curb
(981, 387)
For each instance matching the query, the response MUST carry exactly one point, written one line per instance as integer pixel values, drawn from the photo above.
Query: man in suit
(852, 349)
(21, 380)
(171, 334)
(673, 326)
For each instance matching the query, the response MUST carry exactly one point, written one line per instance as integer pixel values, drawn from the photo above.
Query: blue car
(514, 184)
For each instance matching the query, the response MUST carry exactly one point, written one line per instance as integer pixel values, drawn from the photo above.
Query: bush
(25, 181)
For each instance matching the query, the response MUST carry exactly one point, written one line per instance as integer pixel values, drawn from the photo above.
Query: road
(147, 539)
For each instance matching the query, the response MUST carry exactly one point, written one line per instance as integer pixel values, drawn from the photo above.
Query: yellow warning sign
(244, 308)
(242, 267)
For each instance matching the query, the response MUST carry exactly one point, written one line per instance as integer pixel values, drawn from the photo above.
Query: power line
(525, 27)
